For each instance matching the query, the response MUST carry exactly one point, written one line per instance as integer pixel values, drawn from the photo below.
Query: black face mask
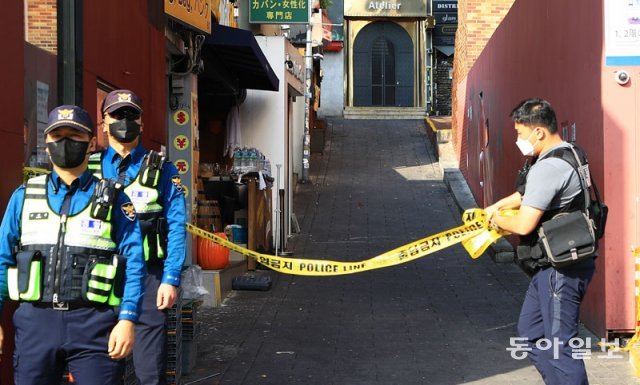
(67, 153)
(125, 130)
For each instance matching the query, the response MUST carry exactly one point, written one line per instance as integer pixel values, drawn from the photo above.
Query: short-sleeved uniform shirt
(551, 182)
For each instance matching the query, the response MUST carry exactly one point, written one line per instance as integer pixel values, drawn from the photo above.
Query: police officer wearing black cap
(70, 252)
(153, 184)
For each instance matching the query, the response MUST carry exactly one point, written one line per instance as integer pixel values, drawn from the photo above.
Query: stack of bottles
(249, 159)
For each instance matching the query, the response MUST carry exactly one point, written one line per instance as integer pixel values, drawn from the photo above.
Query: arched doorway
(383, 66)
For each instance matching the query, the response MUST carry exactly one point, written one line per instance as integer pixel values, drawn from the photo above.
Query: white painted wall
(264, 117)
(298, 134)
(332, 87)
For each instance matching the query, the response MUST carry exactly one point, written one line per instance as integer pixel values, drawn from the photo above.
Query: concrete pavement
(444, 319)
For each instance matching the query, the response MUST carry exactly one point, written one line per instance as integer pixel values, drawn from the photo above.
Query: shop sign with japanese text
(279, 11)
(194, 13)
(388, 8)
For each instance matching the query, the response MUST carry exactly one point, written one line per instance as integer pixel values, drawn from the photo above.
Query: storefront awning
(446, 49)
(239, 53)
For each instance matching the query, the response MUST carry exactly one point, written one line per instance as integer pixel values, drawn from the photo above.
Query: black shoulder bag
(570, 237)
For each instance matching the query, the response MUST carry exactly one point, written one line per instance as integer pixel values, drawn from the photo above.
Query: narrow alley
(444, 319)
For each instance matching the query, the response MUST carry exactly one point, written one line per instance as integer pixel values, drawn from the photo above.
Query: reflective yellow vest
(148, 208)
(77, 262)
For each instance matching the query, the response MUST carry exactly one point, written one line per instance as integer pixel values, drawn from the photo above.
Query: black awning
(238, 52)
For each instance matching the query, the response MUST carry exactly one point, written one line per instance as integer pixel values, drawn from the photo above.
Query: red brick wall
(481, 19)
(42, 28)
(477, 20)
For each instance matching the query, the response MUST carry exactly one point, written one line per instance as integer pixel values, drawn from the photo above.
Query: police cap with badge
(65, 152)
(125, 108)
(69, 116)
(121, 98)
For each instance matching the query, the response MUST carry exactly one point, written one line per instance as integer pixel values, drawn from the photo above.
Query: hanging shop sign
(181, 117)
(444, 35)
(444, 40)
(181, 142)
(449, 6)
(388, 8)
(182, 166)
(446, 18)
(194, 13)
(444, 30)
(279, 11)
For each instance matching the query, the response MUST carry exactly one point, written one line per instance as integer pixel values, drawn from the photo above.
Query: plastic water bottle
(267, 167)
(262, 162)
(244, 160)
(240, 156)
(253, 160)
(247, 158)
(236, 159)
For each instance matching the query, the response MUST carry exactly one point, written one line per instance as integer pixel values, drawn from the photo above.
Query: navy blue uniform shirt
(170, 196)
(125, 231)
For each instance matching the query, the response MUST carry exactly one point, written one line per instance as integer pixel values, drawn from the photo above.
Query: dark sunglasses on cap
(122, 113)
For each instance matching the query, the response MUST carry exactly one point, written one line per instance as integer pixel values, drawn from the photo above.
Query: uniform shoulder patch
(177, 182)
(129, 211)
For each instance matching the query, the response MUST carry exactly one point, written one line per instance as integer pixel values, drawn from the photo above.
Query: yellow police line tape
(475, 235)
(633, 345)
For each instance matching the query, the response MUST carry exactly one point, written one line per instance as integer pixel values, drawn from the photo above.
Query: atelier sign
(387, 8)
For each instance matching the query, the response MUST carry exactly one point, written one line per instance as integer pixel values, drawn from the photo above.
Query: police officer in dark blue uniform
(70, 251)
(154, 186)
(551, 308)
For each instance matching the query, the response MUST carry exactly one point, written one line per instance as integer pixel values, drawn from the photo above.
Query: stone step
(384, 113)
(218, 282)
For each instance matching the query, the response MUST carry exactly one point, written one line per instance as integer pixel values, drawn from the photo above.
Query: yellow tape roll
(475, 235)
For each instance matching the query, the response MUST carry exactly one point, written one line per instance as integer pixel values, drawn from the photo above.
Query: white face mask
(526, 148)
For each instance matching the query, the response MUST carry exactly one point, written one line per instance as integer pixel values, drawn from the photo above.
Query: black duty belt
(65, 306)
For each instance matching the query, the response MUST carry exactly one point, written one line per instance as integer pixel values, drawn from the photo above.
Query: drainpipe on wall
(69, 49)
(308, 63)
(430, 53)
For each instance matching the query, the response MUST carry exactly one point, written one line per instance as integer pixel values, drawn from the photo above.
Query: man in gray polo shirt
(551, 308)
